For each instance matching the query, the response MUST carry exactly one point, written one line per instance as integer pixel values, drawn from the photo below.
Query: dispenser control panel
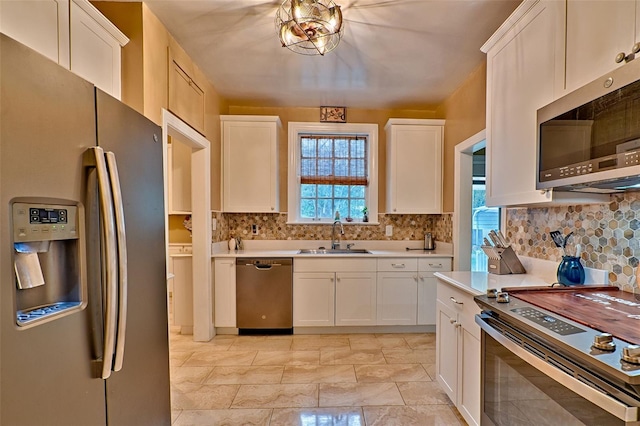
(41, 215)
(44, 222)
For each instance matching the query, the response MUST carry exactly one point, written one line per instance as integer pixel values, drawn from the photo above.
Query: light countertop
(295, 254)
(477, 283)
(291, 249)
(539, 273)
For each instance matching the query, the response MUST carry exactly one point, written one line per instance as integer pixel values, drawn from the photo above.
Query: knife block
(503, 261)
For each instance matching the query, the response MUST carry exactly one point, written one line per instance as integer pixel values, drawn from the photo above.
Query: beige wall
(145, 88)
(128, 18)
(354, 115)
(145, 75)
(465, 112)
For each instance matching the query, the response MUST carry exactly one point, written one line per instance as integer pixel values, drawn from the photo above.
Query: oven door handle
(613, 406)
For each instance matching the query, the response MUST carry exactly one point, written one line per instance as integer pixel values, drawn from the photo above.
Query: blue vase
(570, 271)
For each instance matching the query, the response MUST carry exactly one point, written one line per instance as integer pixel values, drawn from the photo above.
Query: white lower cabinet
(225, 292)
(313, 299)
(182, 296)
(458, 350)
(427, 285)
(397, 298)
(330, 291)
(355, 298)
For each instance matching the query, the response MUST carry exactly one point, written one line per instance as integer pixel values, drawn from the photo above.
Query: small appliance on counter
(429, 242)
(502, 259)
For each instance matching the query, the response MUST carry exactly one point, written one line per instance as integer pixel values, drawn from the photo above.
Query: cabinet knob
(436, 265)
(635, 48)
(624, 57)
(273, 208)
(453, 299)
(398, 265)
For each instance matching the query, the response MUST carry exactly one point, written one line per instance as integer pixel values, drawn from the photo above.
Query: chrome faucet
(336, 244)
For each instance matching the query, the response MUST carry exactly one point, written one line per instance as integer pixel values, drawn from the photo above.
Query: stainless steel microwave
(589, 140)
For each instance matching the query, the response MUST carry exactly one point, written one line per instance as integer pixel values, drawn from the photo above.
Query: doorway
(472, 219)
(174, 127)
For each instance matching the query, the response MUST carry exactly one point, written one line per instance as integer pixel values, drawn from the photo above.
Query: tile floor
(354, 379)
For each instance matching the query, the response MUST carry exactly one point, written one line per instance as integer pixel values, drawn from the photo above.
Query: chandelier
(309, 27)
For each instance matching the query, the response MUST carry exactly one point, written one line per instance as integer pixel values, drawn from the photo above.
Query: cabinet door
(186, 98)
(590, 53)
(469, 380)
(397, 298)
(427, 287)
(225, 292)
(95, 47)
(182, 291)
(426, 299)
(525, 71)
(41, 25)
(447, 349)
(414, 169)
(250, 167)
(313, 299)
(356, 298)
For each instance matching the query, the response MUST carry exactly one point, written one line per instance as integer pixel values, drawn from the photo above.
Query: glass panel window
(483, 220)
(333, 176)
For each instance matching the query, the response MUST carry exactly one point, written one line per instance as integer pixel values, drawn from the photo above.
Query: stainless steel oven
(530, 376)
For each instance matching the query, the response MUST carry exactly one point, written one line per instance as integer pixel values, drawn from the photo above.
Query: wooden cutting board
(606, 309)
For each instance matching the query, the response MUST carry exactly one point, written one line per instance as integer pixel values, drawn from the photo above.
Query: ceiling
(408, 54)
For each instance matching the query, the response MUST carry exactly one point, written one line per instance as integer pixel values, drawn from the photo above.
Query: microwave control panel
(616, 161)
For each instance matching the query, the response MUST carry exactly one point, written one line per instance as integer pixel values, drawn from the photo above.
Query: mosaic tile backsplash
(608, 233)
(275, 227)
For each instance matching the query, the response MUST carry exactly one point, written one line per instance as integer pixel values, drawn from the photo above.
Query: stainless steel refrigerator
(83, 296)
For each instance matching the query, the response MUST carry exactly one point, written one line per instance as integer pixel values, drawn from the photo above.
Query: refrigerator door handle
(110, 260)
(122, 259)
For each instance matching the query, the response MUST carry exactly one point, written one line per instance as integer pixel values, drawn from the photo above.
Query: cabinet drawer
(465, 306)
(334, 265)
(431, 265)
(398, 264)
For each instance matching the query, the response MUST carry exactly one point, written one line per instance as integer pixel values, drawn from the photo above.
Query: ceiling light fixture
(309, 27)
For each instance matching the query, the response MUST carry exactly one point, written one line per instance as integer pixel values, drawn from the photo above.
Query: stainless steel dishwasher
(264, 295)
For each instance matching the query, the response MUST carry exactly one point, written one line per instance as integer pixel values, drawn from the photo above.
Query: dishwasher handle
(263, 266)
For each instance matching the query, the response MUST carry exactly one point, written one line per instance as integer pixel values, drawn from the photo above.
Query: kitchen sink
(334, 251)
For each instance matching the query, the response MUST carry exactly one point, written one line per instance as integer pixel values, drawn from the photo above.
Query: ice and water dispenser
(48, 261)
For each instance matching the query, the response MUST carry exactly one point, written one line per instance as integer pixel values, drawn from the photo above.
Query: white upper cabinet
(95, 47)
(414, 166)
(597, 31)
(250, 163)
(525, 71)
(72, 33)
(42, 25)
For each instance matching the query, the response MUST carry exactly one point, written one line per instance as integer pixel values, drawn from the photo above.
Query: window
(333, 175)
(332, 169)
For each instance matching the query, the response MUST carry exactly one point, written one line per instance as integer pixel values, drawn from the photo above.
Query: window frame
(293, 186)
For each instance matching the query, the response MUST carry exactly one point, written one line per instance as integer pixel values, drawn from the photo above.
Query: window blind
(333, 159)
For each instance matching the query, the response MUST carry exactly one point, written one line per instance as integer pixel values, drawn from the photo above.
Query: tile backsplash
(273, 226)
(609, 234)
